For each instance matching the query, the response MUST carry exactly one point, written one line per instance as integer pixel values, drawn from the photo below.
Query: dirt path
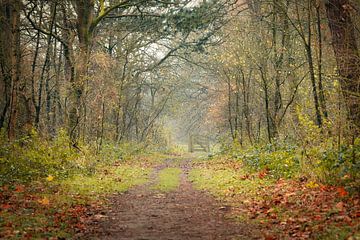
(144, 213)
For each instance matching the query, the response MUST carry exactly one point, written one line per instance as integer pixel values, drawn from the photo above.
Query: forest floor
(178, 197)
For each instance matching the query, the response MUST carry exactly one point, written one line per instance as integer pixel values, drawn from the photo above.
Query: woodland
(99, 99)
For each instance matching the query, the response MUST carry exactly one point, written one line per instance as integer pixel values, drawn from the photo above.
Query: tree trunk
(10, 61)
(245, 105)
(229, 103)
(45, 69)
(309, 55)
(347, 57)
(269, 124)
(313, 84)
(322, 98)
(85, 14)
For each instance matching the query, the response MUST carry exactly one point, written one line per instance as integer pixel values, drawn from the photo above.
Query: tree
(347, 57)
(10, 59)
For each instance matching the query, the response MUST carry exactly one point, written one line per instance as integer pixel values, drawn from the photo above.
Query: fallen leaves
(342, 192)
(340, 206)
(43, 214)
(301, 209)
(5, 206)
(44, 201)
(19, 188)
(262, 174)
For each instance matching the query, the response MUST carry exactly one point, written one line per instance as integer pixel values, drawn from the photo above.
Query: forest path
(146, 212)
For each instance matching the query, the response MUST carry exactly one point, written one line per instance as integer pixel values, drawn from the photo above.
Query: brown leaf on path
(263, 174)
(5, 206)
(340, 206)
(269, 237)
(342, 192)
(45, 201)
(244, 177)
(19, 188)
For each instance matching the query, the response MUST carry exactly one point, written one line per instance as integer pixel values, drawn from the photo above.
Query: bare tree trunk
(309, 55)
(237, 120)
(347, 57)
(319, 63)
(267, 105)
(102, 127)
(45, 69)
(10, 61)
(33, 67)
(245, 105)
(85, 12)
(232, 131)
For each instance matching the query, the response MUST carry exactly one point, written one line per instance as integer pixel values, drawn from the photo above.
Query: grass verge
(107, 181)
(282, 208)
(58, 209)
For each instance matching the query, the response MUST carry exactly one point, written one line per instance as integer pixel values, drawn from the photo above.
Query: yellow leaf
(44, 201)
(311, 184)
(49, 178)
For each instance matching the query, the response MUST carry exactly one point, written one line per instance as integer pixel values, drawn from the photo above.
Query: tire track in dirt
(146, 214)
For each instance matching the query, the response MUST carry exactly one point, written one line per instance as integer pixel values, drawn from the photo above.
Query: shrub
(111, 152)
(32, 157)
(279, 159)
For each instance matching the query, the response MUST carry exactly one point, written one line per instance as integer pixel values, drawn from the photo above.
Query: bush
(332, 164)
(316, 155)
(111, 152)
(31, 157)
(278, 159)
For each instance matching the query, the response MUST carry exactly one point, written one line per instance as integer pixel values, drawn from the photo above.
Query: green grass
(337, 233)
(169, 179)
(225, 182)
(109, 181)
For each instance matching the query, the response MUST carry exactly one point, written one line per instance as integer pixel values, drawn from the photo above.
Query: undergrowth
(315, 153)
(323, 162)
(31, 157)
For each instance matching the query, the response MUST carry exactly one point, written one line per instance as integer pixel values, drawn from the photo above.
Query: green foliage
(278, 158)
(130, 152)
(197, 18)
(111, 152)
(315, 155)
(322, 161)
(330, 164)
(324, 158)
(176, 149)
(31, 157)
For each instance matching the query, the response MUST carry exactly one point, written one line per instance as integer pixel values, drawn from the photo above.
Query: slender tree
(347, 56)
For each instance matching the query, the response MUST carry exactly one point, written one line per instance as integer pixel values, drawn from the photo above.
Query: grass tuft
(169, 179)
